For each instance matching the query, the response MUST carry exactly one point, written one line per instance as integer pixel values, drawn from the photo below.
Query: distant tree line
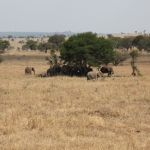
(84, 49)
(53, 42)
(141, 42)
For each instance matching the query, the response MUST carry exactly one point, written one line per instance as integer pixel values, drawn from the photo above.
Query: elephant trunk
(33, 70)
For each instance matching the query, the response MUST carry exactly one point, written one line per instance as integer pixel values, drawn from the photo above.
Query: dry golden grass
(70, 113)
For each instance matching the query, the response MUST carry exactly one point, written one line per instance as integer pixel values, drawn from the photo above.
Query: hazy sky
(100, 16)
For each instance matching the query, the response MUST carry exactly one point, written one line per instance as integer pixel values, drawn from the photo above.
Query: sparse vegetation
(10, 48)
(21, 42)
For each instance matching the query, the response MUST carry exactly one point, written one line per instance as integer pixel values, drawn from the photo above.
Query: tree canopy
(87, 49)
(127, 42)
(142, 42)
(56, 40)
(134, 55)
(31, 44)
(120, 57)
(4, 44)
(44, 46)
(116, 41)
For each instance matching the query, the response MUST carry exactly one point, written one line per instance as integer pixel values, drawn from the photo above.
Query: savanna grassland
(71, 113)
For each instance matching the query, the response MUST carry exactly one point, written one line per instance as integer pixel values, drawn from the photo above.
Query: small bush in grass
(134, 55)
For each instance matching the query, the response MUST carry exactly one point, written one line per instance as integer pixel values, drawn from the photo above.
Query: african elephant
(65, 70)
(54, 70)
(43, 74)
(28, 70)
(108, 70)
(93, 75)
(75, 71)
(86, 70)
(51, 71)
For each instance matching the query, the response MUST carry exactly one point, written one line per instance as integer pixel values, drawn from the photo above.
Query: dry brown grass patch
(71, 113)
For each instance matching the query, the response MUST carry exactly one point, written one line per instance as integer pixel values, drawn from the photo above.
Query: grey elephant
(28, 70)
(43, 74)
(93, 75)
(108, 70)
(54, 70)
(51, 72)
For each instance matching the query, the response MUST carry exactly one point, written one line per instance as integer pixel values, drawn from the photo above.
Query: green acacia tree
(4, 44)
(31, 44)
(116, 41)
(87, 49)
(44, 46)
(140, 42)
(134, 55)
(56, 40)
(127, 42)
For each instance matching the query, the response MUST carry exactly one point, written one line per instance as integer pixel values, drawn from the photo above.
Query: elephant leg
(109, 74)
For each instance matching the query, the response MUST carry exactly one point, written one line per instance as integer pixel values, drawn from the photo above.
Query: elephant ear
(33, 69)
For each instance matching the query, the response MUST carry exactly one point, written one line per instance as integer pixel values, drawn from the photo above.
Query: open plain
(71, 113)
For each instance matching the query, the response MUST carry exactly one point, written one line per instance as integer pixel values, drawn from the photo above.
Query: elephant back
(104, 70)
(28, 70)
(108, 70)
(91, 75)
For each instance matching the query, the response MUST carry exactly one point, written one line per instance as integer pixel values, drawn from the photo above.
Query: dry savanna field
(71, 113)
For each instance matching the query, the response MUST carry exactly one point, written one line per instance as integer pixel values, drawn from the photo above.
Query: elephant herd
(69, 70)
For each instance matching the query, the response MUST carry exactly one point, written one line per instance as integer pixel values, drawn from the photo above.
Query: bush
(21, 42)
(10, 48)
(32, 44)
(25, 47)
(120, 57)
(134, 55)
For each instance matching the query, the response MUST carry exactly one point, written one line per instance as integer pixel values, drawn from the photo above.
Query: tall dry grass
(70, 113)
